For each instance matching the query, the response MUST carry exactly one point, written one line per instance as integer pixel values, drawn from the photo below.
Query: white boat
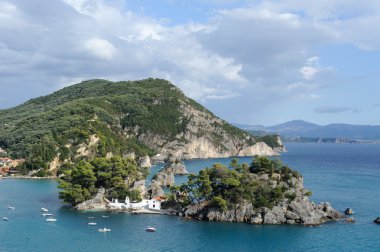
(51, 220)
(11, 207)
(44, 209)
(92, 224)
(104, 230)
(105, 216)
(90, 217)
(5, 219)
(47, 214)
(150, 229)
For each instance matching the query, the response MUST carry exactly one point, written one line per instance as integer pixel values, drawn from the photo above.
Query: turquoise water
(345, 175)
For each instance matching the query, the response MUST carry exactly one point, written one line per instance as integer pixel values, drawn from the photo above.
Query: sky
(248, 61)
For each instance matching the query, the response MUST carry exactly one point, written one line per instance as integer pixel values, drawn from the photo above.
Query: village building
(145, 204)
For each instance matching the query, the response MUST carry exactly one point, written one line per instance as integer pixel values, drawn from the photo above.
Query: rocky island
(265, 192)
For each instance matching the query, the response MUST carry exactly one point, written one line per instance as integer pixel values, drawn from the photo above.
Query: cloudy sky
(249, 61)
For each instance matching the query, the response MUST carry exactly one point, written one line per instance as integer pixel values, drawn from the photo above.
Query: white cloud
(263, 51)
(101, 48)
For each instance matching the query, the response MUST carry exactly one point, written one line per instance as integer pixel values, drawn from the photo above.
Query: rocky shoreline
(301, 212)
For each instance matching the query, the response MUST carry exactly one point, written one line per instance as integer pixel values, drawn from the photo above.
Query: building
(148, 204)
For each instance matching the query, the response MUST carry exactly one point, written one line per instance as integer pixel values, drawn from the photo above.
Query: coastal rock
(349, 220)
(198, 139)
(156, 189)
(145, 162)
(177, 168)
(164, 178)
(275, 216)
(377, 220)
(140, 186)
(300, 210)
(99, 202)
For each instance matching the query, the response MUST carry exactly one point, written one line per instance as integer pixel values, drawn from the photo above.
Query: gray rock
(349, 220)
(164, 178)
(145, 162)
(275, 216)
(140, 186)
(156, 189)
(98, 202)
(177, 168)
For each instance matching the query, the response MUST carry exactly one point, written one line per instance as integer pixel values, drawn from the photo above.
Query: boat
(44, 209)
(90, 217)
(92, 224)
(104, 230)
(105, 216)
(51, 220)
(47, 214)
(11, 207)
(5, 219)
(150, 229)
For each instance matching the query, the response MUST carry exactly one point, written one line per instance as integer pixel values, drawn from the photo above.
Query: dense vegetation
(116, 175)
(263, 183)
(117, 113)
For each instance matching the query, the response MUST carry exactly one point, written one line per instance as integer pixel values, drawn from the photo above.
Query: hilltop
(100, 118)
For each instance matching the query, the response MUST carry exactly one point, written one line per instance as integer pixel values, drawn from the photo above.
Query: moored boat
(150, 229)
(104, 230)
(92, 224)
(47, 214)
(44, 209)
(51, 219)
(5, 219)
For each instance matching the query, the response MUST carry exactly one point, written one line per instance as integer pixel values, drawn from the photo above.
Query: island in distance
(306, 132)
(100, 138)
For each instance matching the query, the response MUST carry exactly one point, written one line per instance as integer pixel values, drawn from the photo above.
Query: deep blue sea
(345, 175)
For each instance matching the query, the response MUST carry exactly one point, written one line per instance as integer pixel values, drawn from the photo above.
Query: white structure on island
(149, 204)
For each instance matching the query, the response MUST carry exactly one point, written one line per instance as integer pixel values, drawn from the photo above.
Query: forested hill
(104, 118)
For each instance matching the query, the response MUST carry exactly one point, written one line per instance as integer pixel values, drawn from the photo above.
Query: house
(148, 204)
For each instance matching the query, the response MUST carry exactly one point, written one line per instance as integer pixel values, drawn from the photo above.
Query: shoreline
(28, 177)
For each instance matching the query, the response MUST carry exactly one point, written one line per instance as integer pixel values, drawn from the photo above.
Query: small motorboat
(92, 224)
(105, 216)
(150, 229)
(11, 207)
(44, 210)
(104, 230)
(47, 214)
(51, 219)
(5, 219)
(90, 217)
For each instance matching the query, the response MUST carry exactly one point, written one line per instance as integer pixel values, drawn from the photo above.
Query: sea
(345, 175)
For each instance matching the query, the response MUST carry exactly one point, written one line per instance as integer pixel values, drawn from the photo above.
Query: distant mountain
(299, 128)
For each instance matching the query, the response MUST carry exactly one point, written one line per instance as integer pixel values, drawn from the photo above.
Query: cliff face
(300, 211)
(206, 136)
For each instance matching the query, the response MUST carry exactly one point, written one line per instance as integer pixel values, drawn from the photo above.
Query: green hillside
(117, 113)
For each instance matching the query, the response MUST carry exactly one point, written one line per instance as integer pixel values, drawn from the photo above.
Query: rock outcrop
(99, 202)
(301, 212)
(177, 168)
(165, 177)
(140, 186)
(206, 136)
(297, 209)
(145, 162)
